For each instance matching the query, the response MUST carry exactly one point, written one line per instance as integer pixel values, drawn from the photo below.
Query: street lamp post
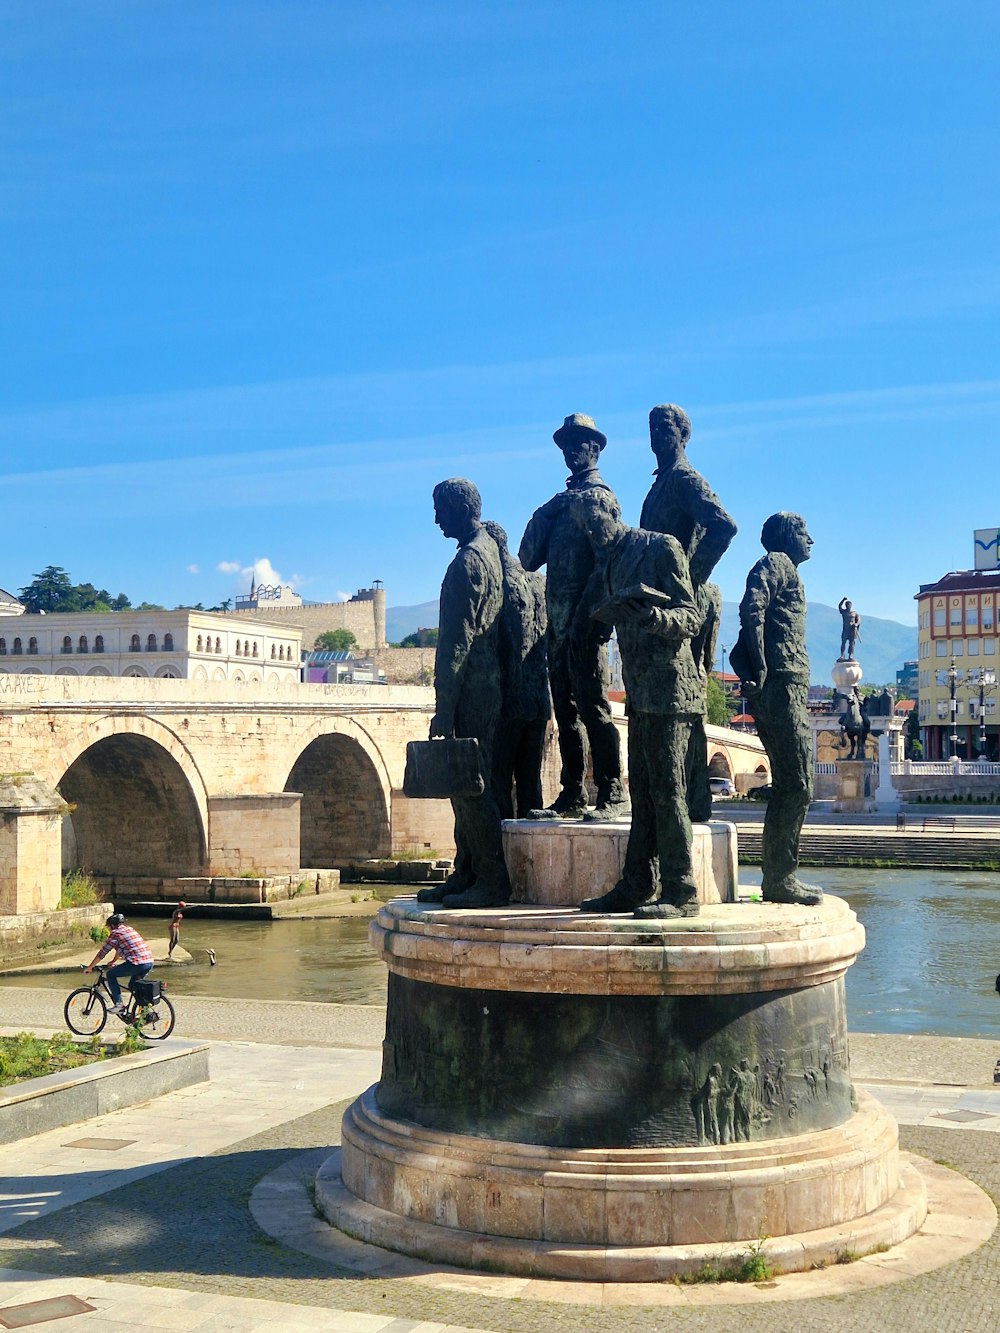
(987, 680)
(953, 704)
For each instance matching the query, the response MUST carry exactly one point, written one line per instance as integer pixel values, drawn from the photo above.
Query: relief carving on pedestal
(733, 1106)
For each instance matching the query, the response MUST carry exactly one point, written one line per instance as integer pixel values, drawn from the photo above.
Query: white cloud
(262, 572)
(193, 569)
(228, 566)
(343, 596)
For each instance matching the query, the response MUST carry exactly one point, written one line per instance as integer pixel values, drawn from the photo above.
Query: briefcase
(443, 768)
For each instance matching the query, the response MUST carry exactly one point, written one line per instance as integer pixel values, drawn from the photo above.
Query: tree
(721, 705)
(335, 640)
(52, 591)
(913, 734)
(49, 591)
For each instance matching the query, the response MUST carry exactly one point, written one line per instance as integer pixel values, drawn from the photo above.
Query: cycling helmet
(116, 919)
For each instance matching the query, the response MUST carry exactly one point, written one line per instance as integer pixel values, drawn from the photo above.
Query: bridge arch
(720, 763)
(346, 794)
(141, 807)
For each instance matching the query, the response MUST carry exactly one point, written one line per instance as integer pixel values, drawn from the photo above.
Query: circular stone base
(620, 1215)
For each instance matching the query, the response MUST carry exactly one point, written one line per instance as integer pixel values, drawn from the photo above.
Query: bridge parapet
(26, 690)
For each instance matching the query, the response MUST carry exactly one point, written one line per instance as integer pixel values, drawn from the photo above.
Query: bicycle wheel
(157, 1020)
(85, 1012)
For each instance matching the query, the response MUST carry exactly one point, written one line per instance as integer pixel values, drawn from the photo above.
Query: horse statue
(855, 724)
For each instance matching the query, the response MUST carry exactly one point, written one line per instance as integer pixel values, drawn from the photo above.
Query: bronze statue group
(509, 641)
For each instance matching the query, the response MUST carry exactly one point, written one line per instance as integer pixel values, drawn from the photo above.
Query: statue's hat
(579, 427)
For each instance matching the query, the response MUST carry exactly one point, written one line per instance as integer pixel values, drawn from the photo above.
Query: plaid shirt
(129, 943)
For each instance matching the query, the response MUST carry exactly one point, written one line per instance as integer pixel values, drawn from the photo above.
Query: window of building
(3, 647)
(150, 643)
(99, 644)
(274, 651)
(939, 617)
(955, 615)
(218, 645)
(987, 619)
(959, 708)
(200, 642)
(246, 647)
(237, 648)
(971, 619)
(254, 653)
(168, 644)
(32, 647)
(972, 647)
(958, 647)
(281, 653)
(941, 648)
(942, 708)
(67, 644)
(82, 647)
(989, 647)
(991, 707)
(17, 647)
(134, 645)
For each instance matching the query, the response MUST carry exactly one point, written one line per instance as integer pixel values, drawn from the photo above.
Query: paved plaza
(195, 1211)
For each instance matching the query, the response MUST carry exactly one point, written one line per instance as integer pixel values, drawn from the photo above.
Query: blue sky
(271, 270)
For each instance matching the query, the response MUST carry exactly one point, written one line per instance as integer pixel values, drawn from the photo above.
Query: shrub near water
(78, 890)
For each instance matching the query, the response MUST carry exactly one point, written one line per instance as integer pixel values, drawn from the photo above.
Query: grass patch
(23, 1057)
(79, 889)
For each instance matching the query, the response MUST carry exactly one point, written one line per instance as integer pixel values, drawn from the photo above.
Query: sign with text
(987, 546)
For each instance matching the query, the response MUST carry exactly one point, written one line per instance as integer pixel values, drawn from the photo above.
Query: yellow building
(958, 663)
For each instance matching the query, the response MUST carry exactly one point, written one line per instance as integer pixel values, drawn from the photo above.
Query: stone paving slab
(252, 1087)
(122, 1306)
(190, 1228)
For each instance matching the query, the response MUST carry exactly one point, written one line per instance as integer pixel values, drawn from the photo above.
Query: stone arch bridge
(170, 779)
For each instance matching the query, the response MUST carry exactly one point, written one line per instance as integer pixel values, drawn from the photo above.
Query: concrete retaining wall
(80, 1094)
(20, 935)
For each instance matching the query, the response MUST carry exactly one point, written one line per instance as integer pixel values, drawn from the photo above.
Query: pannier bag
(146, 992)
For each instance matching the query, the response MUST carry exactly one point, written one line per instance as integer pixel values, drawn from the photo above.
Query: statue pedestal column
(887, 797)
(854, 787)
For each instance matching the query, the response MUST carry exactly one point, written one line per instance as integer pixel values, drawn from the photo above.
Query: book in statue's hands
(630, 601)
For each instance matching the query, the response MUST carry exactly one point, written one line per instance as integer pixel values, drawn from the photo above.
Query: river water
(929, 966)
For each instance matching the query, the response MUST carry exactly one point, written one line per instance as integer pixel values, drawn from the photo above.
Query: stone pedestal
(887, 797)
(855, 793)
(30, 845)
(561, 862)
(570, 1095)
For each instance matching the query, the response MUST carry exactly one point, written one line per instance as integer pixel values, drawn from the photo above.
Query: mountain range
(882, 649)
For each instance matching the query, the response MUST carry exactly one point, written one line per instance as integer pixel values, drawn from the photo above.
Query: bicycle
(148, 1009)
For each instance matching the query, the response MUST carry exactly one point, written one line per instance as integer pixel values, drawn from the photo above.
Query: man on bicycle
(135, 953)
